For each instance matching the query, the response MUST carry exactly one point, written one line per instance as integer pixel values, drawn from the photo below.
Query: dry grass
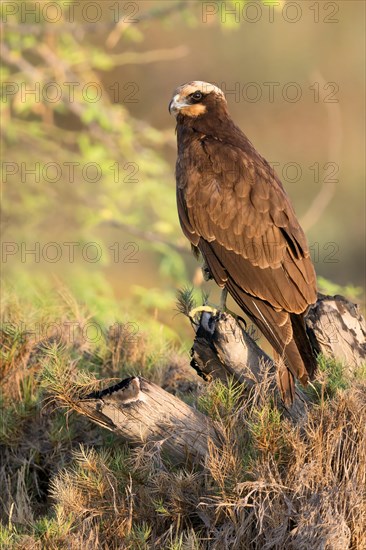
(68, 484)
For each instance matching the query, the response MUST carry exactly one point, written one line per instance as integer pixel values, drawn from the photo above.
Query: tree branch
(143, 413)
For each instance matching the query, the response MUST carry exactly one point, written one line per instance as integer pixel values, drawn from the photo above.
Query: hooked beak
(175, 105)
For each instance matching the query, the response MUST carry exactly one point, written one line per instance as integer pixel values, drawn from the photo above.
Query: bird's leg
(225, 309)
(207, 275)
(223, 298)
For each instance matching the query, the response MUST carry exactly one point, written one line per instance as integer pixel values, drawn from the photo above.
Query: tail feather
(303, 344)
(285, 381)
(287, 334)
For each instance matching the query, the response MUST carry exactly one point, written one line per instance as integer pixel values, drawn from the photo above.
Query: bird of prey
(234, 210)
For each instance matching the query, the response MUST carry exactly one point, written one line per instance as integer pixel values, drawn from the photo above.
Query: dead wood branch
(338, 330)
(222, 349)
(142, 412)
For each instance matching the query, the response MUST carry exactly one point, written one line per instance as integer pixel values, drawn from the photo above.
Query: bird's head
(195, 99)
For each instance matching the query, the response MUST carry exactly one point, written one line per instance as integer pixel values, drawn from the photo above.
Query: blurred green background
(88, 146)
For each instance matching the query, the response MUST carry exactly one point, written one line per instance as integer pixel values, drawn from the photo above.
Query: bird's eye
(197, 96)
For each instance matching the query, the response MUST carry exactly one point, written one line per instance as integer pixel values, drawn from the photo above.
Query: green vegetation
(93, 255)
(70, 484)
(89, 165)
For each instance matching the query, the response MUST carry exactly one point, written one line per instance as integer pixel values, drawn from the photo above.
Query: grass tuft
(67, 483)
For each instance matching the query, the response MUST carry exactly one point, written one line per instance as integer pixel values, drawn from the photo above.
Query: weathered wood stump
(222, 349)
(142, 412)
(338, 330)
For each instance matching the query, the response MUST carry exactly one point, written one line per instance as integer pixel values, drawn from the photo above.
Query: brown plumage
(234, 209)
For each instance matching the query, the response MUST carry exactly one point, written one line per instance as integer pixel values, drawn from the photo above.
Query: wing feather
(233, 208)
(250, 219)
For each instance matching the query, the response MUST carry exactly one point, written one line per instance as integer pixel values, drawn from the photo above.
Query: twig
(139, 58)
(122, 25)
